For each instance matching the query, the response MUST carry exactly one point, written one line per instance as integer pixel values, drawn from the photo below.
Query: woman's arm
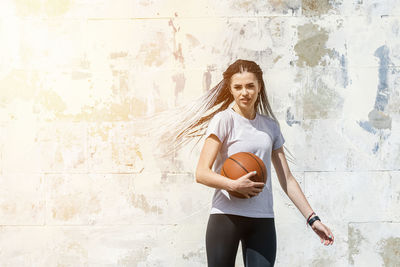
(294, 192)
(204, 174)
(243, 185)
(289, 183)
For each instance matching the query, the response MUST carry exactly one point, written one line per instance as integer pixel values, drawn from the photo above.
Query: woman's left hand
(323, 232)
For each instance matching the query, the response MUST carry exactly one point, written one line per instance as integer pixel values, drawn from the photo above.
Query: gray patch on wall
(140, 201)
(377, 119)
(344, 77)
(290, 118)
(354, 240)
(196, 256)
(382, 134)
(207, 77)
(390, 251)
(382, 53)
(121, 54)
(343, 63)
(310, 47)
(177, 46)
(193, 41)
(284, 6)
(135, 257)
(319, 100)
(311, 8)
(179, 80)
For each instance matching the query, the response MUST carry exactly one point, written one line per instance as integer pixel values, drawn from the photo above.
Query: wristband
(313, 219)
(310, 217)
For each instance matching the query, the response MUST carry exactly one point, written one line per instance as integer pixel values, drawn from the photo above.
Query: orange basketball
(242, 163)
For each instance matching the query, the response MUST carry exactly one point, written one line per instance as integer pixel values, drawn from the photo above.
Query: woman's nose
(245, 92)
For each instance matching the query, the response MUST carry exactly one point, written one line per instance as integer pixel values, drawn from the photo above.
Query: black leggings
(258, 237)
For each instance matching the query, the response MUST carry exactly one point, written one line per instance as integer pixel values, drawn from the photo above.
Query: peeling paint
(179, 80)
(343, 65)
(383, 93)
(69, 206)
(120, 83)
(50, 101)
(39, 7)
(135, 257)
(377, 117)
(154, 52)
(367, 126)
(390, 251)
(315, 7)
(377, 129)
(319, 101)
(379, 120)
(140, 201)
(51, 107)
(285, 6)
(177, 52)
(198, 254)
(116, 55)
(354, 241)
(344, 77)
(310, 48)
(277, 58)
(243, 5)
(290, 118)
(193, 41)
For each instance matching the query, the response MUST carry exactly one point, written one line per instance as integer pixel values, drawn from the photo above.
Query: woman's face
(245, 89)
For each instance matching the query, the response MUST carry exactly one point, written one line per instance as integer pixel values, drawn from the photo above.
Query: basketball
(242, 163)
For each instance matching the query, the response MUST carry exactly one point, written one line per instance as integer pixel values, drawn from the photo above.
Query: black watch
(313, 219)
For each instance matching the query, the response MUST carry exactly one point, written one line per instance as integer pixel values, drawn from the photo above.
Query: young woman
(248, 125)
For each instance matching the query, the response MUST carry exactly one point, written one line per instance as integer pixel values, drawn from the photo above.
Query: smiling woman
(245, 128)
(249, 125)
(245, 90)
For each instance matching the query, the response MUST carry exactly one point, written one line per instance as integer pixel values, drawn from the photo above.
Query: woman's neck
(249, 114)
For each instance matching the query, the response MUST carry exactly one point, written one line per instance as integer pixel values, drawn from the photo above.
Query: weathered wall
(79, 188)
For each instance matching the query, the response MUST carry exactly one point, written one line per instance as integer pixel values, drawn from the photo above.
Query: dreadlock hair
(174, 128)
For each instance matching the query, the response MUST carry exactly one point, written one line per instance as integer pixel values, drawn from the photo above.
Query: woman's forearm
(296, 195)
(213, 179)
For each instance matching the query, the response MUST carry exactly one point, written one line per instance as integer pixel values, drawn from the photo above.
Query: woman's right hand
(247, 187)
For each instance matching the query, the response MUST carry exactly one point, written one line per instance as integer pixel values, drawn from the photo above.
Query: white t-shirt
(238, 134)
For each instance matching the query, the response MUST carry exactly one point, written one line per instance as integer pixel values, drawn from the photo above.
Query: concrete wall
(79, 188)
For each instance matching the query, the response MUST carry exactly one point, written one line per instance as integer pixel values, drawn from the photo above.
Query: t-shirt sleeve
(278, 138)
(218, 125)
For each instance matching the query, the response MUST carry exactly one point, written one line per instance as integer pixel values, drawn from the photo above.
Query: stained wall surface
(78, 187)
